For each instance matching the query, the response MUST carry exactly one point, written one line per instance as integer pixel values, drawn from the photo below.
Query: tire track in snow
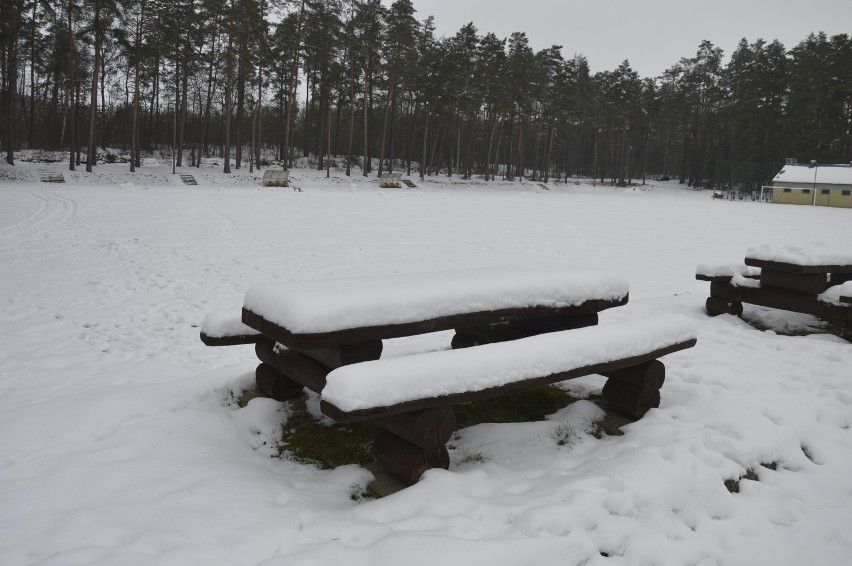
(53, 212)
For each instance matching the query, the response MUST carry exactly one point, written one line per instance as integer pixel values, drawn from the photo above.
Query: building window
(825, 191)
(788, 190)
(846, 193)
(806, 191)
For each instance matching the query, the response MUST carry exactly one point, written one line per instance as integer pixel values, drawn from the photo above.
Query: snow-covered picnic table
(810, 278)
(516, 328)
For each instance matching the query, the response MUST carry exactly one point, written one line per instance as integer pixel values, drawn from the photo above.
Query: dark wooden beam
(294, 365)
(407, 461)
(810, 283)
(795, 268)
(275, 384)
(427, 429)
(781, 299)
(716, 306)
(650, 375)
(337, 356)
(233, 340)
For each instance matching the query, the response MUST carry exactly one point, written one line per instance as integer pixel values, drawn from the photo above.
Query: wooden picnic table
(327, 336)
(786, 278)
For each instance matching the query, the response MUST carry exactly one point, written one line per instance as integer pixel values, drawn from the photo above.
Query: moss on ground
(322, 443)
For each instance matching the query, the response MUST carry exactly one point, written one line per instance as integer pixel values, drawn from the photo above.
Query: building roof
(825, 174)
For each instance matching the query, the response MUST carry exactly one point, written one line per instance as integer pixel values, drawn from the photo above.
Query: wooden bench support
(629, 400)
(557, 323)
(650, 375)
(295, 366)
(635, 390)
(716, 306)
(426, 429)
(275, 384)
(407, 461)
(505, 331)
(486, 334)
(337, 356)
(813, 283)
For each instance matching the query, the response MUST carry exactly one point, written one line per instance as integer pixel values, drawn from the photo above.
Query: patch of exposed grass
(326, 445)
(525, 406)
(469, 456)
(565, 435)
(751, 474)
(606, 426)
(247, 396)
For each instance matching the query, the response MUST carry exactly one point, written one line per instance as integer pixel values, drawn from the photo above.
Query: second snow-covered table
(812, 278)
(516, 328)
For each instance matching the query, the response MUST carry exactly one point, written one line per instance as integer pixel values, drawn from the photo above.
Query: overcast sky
(652, 34)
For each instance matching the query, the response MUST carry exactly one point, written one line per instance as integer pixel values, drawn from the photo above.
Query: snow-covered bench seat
(801, 278)
(438, 379)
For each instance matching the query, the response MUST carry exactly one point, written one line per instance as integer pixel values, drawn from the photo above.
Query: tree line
(241, 79)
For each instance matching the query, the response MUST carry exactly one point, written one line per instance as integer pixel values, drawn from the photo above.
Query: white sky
(652, 34)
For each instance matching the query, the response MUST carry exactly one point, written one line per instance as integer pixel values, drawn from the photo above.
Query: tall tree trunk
(488, 170)
(31, 131)
(320, 149)
(15, 12)
(438, 134)
(182, 117)
(291, 94)
(385, 128)
(241, 99)
(366, 113)
(425, 139)
(256, 152)
(72, 134)
(549, 153)
(351, 125)
(93, 107)
(212, 79)
(134, 131)
(229, 80)
(78, 129)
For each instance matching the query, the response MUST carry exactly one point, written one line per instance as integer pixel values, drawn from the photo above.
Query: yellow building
(817, 185)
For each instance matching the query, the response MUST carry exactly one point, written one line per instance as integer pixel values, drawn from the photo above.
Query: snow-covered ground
(121, 442)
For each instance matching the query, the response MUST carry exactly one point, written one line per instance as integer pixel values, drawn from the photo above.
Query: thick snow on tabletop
(712, 269)
(397, 380)
(340, 304)
(224, 323)
(811, 253)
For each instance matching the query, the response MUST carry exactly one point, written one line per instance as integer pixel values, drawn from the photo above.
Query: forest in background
(374, 84)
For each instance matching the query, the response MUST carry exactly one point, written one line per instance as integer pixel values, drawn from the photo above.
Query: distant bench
(815, 281)
(390, 180)
(515, 329)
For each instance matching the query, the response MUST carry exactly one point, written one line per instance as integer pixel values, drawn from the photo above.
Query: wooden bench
(515, 329)
(276, 178)
(390, 180)
(811, 280)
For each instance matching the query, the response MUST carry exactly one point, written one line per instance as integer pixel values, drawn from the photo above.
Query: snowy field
(121, 442)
